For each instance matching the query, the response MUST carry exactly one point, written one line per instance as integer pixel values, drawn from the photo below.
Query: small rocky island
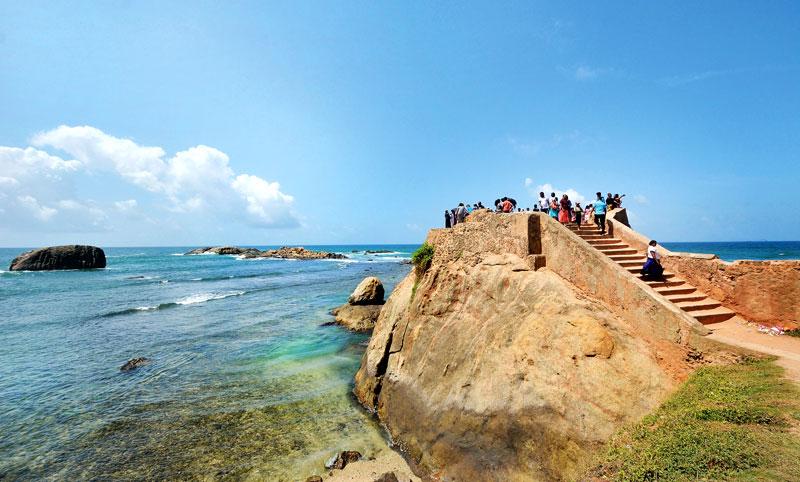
(285, 252)
(363, 307)
(71, 256)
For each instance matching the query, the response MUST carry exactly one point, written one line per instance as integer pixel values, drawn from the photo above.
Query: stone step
(677, 290)
(714, 315)
(666, 275)
(599, 241)
(684, 298)
(608, 247)
(632, 263)
(595, 236)
(666, 283)
(627, 257)
(700, 305)
(617, 252)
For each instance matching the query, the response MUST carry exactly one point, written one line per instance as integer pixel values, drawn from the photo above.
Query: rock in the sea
(387, 477)
(357, 317)
(297, 253)
(229, 250)
(363, 307)
(340, 460)
(368, 292)
(134, 363)
(60, 257)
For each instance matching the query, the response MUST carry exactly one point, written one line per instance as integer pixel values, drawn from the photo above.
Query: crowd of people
(565, 211)
(561, 209)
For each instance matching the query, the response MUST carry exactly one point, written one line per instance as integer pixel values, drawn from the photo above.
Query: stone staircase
(685, 296)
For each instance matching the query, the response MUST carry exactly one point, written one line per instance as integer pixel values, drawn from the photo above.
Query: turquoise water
(244, 382)
(731, 251)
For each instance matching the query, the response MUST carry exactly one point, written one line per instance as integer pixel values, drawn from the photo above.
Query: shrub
(422, 258)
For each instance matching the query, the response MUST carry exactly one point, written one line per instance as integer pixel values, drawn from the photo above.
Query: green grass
(734, 422)
(422, 258)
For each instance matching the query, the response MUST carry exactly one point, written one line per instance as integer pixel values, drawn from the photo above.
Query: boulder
(387, 477)
(483, 370)
(368, 292)
(340, 460)
(357, 317)
(134, 363)
(60, 257)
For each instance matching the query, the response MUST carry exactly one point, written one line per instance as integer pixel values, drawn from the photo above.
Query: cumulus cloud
(197, 180)
(547, 188)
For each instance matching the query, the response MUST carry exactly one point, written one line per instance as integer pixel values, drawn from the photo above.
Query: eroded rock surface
(72, 256)
(489, 370)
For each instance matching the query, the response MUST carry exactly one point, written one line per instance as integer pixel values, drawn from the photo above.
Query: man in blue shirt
(600, 212)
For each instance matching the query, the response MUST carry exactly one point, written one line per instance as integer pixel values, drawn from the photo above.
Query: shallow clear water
(731, 251)
(244, 382)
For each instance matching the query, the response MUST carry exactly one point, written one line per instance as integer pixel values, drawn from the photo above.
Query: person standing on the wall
(600, 213)
(447, 222)
(544, 204)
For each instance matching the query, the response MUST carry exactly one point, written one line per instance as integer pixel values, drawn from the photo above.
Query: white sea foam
(203, 297)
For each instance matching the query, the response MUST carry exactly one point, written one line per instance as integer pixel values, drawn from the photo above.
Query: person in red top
(507, 206)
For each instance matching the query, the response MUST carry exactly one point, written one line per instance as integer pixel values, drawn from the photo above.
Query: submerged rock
(340, 460)
(72, 256)
(368, 292)
(357, 317)
(134, 363)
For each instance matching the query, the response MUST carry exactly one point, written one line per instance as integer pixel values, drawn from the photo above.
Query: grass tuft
(734, 422)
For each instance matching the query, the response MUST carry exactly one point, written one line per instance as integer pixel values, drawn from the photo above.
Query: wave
(188, 300)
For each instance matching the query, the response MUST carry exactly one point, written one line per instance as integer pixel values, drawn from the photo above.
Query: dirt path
(737, 332)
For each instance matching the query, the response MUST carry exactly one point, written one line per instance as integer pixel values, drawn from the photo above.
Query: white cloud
(97, 150)
(548, 188)
(126, 205)
(584, 72)
(641, 199)
(30, 203)
(198, 179)
(267, 205)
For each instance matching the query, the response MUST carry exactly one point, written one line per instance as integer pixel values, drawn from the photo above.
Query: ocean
(731, 251)
(244, 379)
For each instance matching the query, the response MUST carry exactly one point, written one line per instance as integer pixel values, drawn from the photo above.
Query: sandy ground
(737, 332)
(387, 460)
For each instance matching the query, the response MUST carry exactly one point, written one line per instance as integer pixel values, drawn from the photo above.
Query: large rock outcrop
(490, 367)
(362, 307)
(282, 253)
(72, 256)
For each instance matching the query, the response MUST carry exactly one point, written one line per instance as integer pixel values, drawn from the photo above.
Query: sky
(137, 123)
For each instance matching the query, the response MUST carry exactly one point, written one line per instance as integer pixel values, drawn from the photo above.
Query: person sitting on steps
(652, 269)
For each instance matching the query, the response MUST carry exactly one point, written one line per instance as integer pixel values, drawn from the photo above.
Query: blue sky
(172, 123)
